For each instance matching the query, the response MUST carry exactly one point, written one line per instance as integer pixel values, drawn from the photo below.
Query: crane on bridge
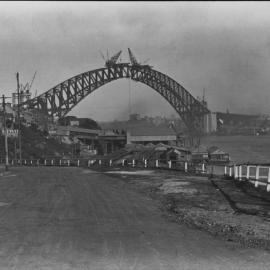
(110, 62)
(134, 61)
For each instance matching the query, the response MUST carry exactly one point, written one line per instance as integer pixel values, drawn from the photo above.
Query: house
(218, 156)
(144, 133)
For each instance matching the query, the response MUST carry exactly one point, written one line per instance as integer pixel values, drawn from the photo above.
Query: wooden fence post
(235, 172)
(240, 172)
(203, 168)
(248, 172)
(186, 166)
(257, 176)
(268, 181)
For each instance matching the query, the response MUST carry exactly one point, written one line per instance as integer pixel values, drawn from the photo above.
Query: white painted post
(268, 181)
(248, 172)
(186, 166)
(235, 172)
(78, 163)
(52, 162)
(60, 162)
(145, 163)
(230, 171)
(45, 162)
(157, 163)
(99, 162)
(240, 172)
(88, 163)
(68, 162)
(257, 176)
(25, 162)
(110, 163)
(123, 162)
(31, 161)
(225, 170)
(170, 164)
(203, 168)
(133, 163)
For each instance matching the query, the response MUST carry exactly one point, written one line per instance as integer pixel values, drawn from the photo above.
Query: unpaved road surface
(68, 218)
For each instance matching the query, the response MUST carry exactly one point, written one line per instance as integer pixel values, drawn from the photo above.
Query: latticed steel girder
(60, 100)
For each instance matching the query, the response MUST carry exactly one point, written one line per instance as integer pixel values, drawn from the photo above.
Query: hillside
(36, 144)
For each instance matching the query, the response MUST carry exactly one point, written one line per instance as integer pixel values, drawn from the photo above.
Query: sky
(223, 47)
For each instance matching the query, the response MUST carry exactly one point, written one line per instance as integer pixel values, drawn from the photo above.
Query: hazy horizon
(223, 47)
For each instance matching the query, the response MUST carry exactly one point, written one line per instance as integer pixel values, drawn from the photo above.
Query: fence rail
(138, 163)
(259, 175)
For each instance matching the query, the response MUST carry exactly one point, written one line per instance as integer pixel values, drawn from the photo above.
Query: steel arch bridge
(59, 100)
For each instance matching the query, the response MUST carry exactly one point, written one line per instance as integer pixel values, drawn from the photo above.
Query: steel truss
(60, 100)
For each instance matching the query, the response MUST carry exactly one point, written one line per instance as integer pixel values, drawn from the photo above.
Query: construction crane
(27, 86)
(109, 62)
(32, 81)
(134, 61)
(132, 58)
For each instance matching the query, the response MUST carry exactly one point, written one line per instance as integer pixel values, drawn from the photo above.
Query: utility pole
(5, 130)
(19, 120)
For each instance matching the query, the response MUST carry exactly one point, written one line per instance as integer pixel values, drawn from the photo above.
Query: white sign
(11, 132)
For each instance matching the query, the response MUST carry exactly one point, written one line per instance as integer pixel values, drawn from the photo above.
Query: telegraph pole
(19, 120)
(5, 130)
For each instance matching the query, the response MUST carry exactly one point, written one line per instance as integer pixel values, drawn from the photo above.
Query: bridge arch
(61, 99)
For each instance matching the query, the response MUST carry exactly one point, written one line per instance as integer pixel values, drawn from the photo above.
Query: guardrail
(185, 166)
(257, 174)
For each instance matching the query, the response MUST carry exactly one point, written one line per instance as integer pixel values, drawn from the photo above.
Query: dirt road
(68, 218)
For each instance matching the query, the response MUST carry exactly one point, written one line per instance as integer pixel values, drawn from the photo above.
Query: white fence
(144, 163)
(259, 175)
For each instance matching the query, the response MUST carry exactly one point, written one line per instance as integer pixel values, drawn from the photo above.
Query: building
(73, 131)
(112, 140)
(145, 133)
(233, 124)
(210, 123)
(25, 95)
